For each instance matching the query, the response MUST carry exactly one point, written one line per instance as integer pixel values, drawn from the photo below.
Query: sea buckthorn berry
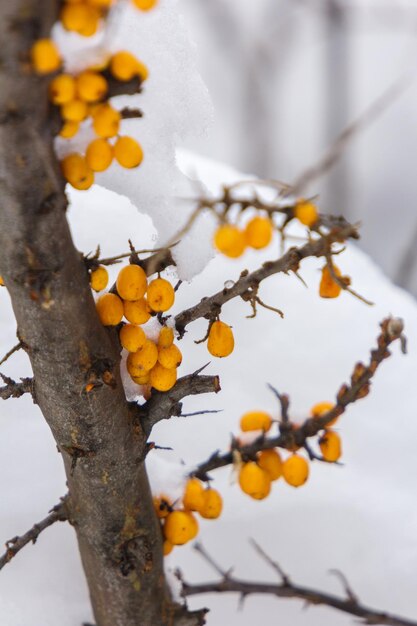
(145, 5)
(99, 278)
(99, 155)
(255, 420)
(331, 446)
(80, 18)
(321, 408)
(45, 56)
(295, 470)
(62, 89)
(124, 66)
(106, 121)
(143, 359)
(230, 240)
(220, 340)
(306, 213)
(170, 357)
(167, 547)
(161, 295)
(74, 111)
(128, 152)
(110, 309)
(328, 286)
(166, 337)
(270, 462)
(137, 312)
(193, 495)
(76, 171)
(141, 380)
(132, 337)
(91, 86)
(1, 281)
(100, 4)
(254, 481)
(162, 506)
(162, 378)
(131, 283)
(180, 527)
(258, 232)
(142, 71)
(212, 504)
(69, 129)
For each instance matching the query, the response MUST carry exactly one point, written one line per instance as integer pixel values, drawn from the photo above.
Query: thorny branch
(57, 514)
(287, 589)
(289, 436)
(8, 354)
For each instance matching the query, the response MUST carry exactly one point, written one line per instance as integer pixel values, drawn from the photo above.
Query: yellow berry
(270, 462)
(212, 504)
(254, 481)
(161, 295)
(180, 527)
(91, 86)
(193, 495)
(166, 337)
(162, 506)
(255, 420)
(143, 359)
(132, 337)
(145, 5)
(99, 155)
(128, 152)
(80, 18)
(123, 66)
(331, 446)
(328, 286)
(167, 547)
(1, 281)
(69, 129)
(141, 380)
(110, 309)
(142, 71)
(306, 213)
(74, 111)
(321, 408)
(162, 378)
(106, 121)
(170, 357)
(76, 171)
(258, 232)
(131, 283)
(100, 4)
(99, 278)
(45, 56)
(137, 312)
(220, 340)
(62, 89)
(230, 240)
(295, 470)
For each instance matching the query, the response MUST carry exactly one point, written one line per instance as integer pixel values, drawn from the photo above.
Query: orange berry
(69, 129)
(212, 504)
(141, 380)
(99, 278)
(220, 340)
(255, 420)
(74, 111)
(270, 462)
(167, 547)
(258, 232)
(106, 121)
(254, 481)
(99, 155)
(162, 378)
(180, 527)
(331, 446)
(142, 71)
(162, 506)
(143, 359)
(321, 408)
(166, 337)
(110, 309)
(137, 312)
(306, 213)
(45, 56)
(145, 5)
(80, 18)
(161, 295)
(1, 281)
(91, 86)
(76, 171)
(170, 357)
(62, 89)
(128, 152)
(230, 240)
(295, 470)
(123, 66)
(132, 337)
(131, 283)
(328, 286)
(193, 495)
(101, 4)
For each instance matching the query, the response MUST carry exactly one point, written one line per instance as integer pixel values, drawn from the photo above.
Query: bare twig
(15, 348)
(13, 389)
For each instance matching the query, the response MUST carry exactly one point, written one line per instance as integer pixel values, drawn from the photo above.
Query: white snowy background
(360, 518)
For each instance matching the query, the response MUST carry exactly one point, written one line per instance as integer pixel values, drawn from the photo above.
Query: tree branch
(15, 348)
(13, 389)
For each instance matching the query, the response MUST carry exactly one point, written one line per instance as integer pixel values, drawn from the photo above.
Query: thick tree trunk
(110, 503)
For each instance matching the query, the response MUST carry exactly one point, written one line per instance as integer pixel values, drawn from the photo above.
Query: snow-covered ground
(360, 518)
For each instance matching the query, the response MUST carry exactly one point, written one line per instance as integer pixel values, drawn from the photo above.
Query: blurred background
(287, 76)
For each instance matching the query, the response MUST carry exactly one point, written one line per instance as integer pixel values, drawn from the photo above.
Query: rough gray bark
(103, 448)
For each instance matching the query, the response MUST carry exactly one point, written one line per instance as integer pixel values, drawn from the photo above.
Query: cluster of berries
(180, 525)
(148, 363)
(232, 241)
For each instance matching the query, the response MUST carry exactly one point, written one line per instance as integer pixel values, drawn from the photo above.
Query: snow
(360, 518)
